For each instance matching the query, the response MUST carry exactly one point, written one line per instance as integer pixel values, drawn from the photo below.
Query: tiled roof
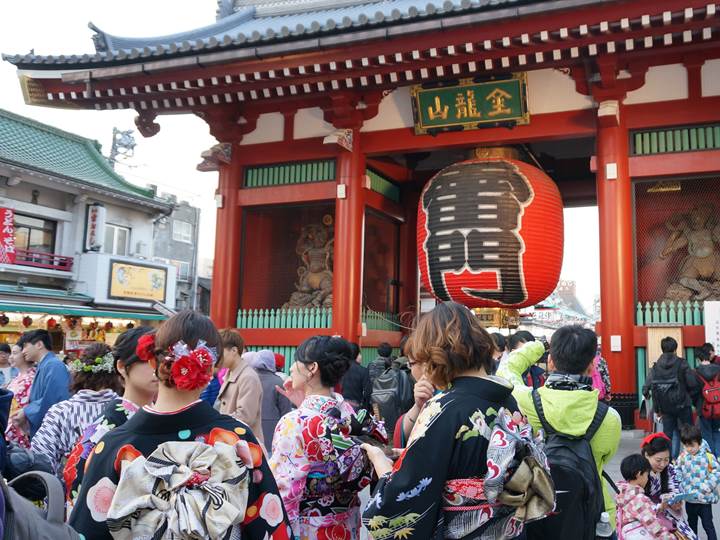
(243, 23)
(27, 143)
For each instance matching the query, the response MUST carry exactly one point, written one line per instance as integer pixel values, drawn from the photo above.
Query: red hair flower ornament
(192, 369)
(145, 349)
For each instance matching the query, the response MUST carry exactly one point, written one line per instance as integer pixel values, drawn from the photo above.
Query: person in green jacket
(568, 410)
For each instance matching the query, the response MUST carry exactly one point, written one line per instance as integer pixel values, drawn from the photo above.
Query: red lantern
(27, 321)
(108, 326)
(490, 234)
(51, 323)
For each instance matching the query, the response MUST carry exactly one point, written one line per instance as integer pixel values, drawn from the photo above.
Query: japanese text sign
(470, 105)
(7, 236)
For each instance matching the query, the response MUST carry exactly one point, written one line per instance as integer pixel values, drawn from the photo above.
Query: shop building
(175, 242)
(77, 239)
(332, 116)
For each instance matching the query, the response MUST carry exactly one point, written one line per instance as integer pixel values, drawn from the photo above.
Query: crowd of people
(180, 432)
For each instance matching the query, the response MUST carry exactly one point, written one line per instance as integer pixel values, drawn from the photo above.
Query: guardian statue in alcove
(314, 248)
(698, 231)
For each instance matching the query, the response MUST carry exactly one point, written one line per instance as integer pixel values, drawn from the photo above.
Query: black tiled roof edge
(208, 38)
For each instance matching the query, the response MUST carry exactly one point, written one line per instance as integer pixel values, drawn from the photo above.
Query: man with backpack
(707, 399)
(670, 384)
(382, 362)
(392, 394)
(582, 433)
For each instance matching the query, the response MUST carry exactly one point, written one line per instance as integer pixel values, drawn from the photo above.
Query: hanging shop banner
(490, 234)
(137, 282)
(7, 236)
(712, 323)
(470, 105)
(95, 233)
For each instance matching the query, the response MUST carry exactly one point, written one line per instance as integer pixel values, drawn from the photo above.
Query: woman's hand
(296, 397)
(380, 462)
(423, 391)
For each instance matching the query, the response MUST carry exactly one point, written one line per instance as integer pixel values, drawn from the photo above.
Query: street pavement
(630, 444)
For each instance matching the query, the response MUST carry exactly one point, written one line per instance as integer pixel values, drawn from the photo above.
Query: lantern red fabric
(490, 234)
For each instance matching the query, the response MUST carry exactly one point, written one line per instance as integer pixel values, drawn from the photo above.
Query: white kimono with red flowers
(319, 471)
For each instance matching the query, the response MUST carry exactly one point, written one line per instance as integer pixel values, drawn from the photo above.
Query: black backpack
(578, 486)
(667, 394)
(24, 520)
(392, 396)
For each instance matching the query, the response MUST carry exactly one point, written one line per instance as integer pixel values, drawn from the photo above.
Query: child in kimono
(636, 514)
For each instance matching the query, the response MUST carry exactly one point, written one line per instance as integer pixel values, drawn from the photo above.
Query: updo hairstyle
(332, 355)
(190, 327)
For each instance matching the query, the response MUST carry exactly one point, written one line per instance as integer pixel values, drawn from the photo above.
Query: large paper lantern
(490, 234)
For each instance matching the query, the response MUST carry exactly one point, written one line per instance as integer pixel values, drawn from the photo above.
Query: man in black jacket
(670, 383)
(356, 385)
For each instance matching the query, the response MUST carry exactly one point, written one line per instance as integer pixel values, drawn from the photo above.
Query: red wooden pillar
(349, 231)
(617, 293)
(226, 268)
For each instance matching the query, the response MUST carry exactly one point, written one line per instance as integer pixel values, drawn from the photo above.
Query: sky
(169, 158)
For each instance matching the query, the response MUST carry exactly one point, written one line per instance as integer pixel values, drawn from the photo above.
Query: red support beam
(391, 171)
(562, 125)
(674, 112)
(278, 337)
(693, 336)
(294, 193)
(614, 196)
(349, 231)
(226, 280)
(685, 163)
(672, 164)
(384, 205)
(376, 337)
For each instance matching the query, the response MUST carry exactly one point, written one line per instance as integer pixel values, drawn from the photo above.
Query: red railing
(39, 259)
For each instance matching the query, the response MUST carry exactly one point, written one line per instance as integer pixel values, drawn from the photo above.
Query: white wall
(269, 128)
(552, 90)
(711, 78)
(662, 83)
(310, 123)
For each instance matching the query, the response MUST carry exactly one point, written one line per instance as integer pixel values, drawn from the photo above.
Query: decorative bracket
(346, 110)
(606, 80)
(228, 124)
(213, 157)
(146, 124)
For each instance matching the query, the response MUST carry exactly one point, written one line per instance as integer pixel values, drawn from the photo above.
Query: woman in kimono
(94, 385)
(20, 387)
(662, 483)
(319, 468)
(436, 488)
(141, 387)
(179, 469)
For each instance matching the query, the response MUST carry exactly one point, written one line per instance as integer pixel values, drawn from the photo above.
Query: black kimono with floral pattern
(435, 490)
(265, 517)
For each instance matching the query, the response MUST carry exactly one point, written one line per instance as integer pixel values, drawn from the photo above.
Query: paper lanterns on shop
(490, 234)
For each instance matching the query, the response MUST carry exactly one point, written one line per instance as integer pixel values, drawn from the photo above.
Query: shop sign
(7, 236)
(137, 282)
(95, 233)
(470, 105)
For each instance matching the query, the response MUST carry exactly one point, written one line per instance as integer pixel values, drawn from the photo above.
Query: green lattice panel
(676, 139)
(282, 174)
